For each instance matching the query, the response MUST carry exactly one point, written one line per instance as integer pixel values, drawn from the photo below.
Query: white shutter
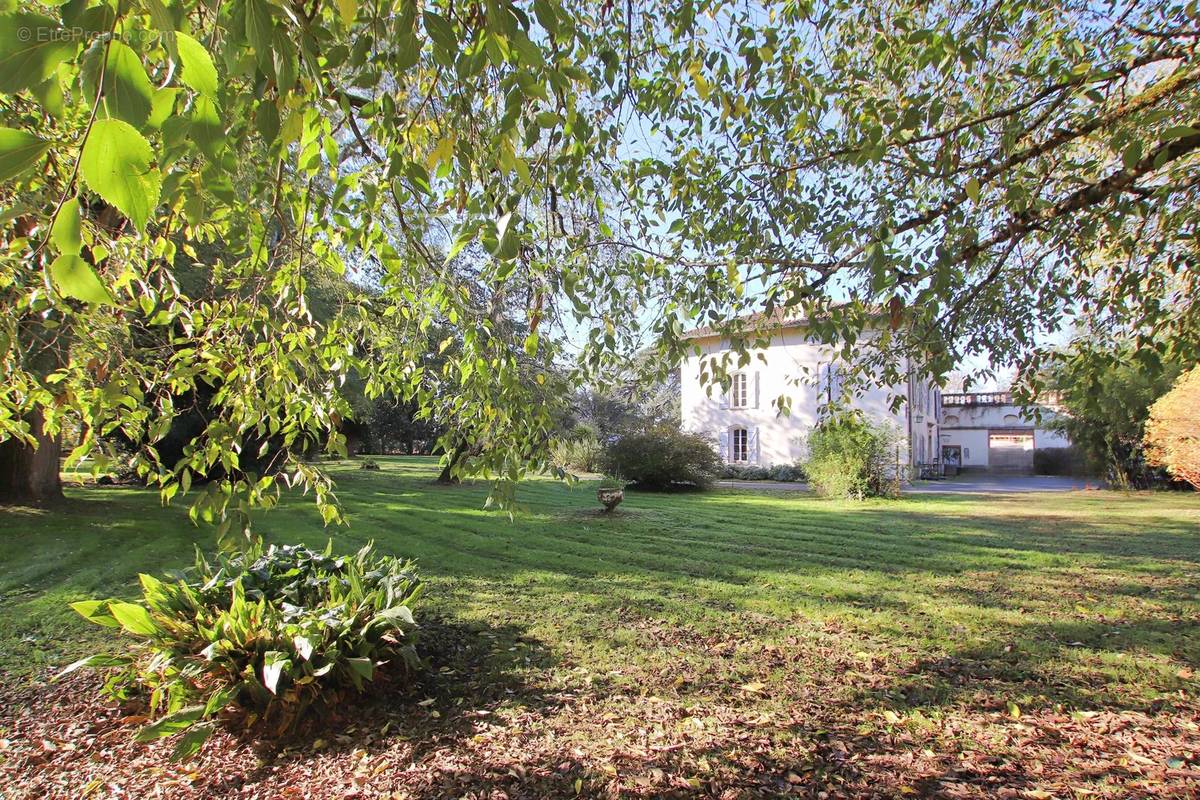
(752, 446)
(723, 438)
(757, 386)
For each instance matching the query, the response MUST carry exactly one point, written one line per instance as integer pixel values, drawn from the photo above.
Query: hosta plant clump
(279, 633)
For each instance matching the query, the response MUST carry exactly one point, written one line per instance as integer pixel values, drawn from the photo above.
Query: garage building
(987, 431)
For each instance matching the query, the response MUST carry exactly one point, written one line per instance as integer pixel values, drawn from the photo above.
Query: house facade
(987, 431)
(746, 424)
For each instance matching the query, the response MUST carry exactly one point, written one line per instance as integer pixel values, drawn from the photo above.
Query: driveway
(1001, 484)
(964, 484)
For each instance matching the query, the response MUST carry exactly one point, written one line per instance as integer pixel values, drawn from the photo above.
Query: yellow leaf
(703, 87)
(1014, 710)
(756, 687)
(349, 9)
(443, 152)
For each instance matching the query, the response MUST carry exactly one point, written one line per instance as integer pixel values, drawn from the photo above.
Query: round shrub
(281, 633)
(663, 459)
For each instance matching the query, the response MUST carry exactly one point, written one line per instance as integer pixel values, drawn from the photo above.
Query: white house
(749, 427)
(988, 431)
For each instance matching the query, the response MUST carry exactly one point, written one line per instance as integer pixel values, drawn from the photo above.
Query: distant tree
(1173, 430)
(396, 426)
(637, 402)
(1107, 391)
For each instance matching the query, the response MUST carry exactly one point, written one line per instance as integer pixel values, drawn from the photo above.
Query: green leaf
(162, 106)
(274, 663)
(74, 277)
(1132, 155)
(304, 646)
(190, 743)
(408, 51)
(220, 698)
(363, 667)
(973, 189)
(65, 230)
(259, 28)
(401, 613)
(116, 164)
(198, 70)
(160, 16)
(283, 56)
(31, 46)
(19, 151)
(134, 618)
(266, 119)
(1178, 132)
(531, 345)
(507, 241)
(50, 94)
(440, 30)
(99, 660)
(207, 128)
(127, 93)
(90, 610)
(170, 725)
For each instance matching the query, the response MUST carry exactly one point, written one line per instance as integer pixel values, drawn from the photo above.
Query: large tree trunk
(29, 476)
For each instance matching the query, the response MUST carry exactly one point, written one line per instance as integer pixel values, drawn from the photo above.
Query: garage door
(1010, 452)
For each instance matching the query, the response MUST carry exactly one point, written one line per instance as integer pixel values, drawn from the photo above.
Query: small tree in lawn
(849, 456)
(1173, 430)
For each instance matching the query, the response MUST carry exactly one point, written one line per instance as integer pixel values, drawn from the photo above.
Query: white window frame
(745, 445)
(739, 391)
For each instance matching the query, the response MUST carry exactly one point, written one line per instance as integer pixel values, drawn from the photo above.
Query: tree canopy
(920, 179)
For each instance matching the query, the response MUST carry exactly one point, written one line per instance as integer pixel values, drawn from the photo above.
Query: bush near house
(1173, 430)
(852, 456)
(784, 473)
(280, 633)
(1059, 461)
(663, 459)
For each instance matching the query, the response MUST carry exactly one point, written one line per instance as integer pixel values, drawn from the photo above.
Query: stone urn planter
(610, 498)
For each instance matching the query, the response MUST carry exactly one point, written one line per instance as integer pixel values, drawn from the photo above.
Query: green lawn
(934, 623)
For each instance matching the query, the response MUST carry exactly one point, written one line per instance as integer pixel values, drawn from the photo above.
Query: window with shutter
(739, 445)
(739, 392)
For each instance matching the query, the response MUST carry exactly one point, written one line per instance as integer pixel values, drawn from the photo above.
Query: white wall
(788, 368)
(974, 445)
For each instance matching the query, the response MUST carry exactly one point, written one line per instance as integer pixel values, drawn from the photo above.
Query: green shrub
(661, 459)
(851, 456)
(279, 633)
(781, 473)
(584, 454)
(369, 463)
(751, 472)
(1059, 461)
(786, 473)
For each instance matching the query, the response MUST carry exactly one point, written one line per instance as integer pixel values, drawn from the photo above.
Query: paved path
(966, 484)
